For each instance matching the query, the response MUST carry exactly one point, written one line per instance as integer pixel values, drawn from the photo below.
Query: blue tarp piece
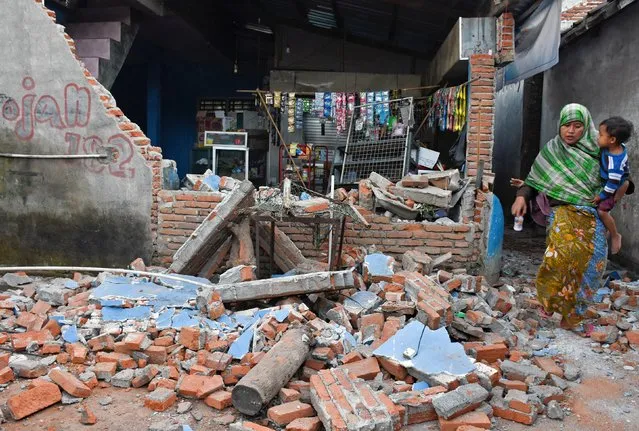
(241, 346)
(70, 284)
(184, 318)
(111, 302)
(435, 353)
(420, 386)
(305, 196)
(601, 292)
(213, 181)
(122, 314)
(378, 264)
(176, 295)
(57, 318)
(164, 319)
(70, 334)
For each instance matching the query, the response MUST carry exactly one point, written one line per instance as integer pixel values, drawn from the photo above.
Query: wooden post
(274, 370)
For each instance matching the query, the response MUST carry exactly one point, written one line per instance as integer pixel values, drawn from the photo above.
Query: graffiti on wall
(73, 111)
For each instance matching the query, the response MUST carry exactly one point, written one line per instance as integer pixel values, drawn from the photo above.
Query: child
(613, 133)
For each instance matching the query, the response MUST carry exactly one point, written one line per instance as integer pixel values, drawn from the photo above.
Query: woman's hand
(516, 182)
(519, 207)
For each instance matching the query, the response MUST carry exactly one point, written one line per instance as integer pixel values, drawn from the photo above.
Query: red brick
(134, 340)
(352, 357)
(6, 375)
(50, 348)
(305, 424)
(288, 412)
(190, 338)
(548, 365)
(491, 353)
(101, 342)
(246, 425)
(160, 399)
(20, 341)
(69, 383)
(365, 369)
(513, 384)
(163, 341)
(393, 367)
(157, 354)
(287, 395)
(41, 307)
(77, 352)
(476, 419)
(194, 386)
(633, 337)
(4, 359)
(219, 400)
(33, 400)
(87, 417)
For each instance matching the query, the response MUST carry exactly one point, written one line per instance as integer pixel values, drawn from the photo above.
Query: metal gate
(379, 139)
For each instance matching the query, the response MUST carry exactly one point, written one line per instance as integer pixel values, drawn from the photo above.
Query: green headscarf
(569, 173)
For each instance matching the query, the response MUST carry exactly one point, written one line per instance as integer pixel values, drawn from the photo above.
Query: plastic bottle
(519, 224)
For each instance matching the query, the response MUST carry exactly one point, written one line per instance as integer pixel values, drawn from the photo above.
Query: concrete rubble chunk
(28, 368)
(278, 287)
(554, 411)
(462, 400)
(524, 372)
(123, 378)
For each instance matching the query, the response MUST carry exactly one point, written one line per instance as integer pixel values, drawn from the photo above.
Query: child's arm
(621, 191)
(615, 173)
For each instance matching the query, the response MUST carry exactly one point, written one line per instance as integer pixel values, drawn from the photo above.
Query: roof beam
(393, 26)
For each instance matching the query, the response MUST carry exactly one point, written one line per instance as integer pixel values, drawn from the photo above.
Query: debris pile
(381, 345)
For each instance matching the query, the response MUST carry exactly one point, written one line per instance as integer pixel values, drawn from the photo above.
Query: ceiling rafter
(393, 27)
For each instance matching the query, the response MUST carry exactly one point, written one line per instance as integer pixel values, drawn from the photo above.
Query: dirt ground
(605, 400)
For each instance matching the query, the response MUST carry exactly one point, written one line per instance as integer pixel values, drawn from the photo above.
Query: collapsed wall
(82, 211)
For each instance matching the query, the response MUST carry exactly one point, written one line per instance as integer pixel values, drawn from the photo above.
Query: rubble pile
(382, 344)
(377, 354)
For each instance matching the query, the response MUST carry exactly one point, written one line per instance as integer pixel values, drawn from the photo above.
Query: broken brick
(33, 400)
(69, 383)
(288, 412)
(219, 400)
(160, 399)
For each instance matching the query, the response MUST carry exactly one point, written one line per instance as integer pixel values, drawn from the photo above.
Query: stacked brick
(346, 403)
(481, 120)
(505, 39)
(180, 213)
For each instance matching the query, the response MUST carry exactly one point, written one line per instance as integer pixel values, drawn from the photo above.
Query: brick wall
(180, 213)
(481, 114)
(505, 39)
(153, 155)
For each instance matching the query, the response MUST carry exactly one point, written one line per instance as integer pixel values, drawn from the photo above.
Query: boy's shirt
(614, 170)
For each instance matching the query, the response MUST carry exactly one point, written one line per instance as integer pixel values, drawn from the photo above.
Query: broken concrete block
(501, 409)
(366, 200)
(547, 393)
(523, 372)
(392, 203)
(432, 196)
(279, 287)
(415, 261)
(238, 274)
(28, 369)
(462, 400)
(123, 378)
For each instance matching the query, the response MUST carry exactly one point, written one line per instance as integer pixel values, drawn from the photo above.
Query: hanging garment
(327, 105)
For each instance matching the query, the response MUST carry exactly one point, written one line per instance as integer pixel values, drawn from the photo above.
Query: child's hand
(516, 182)
(596, 200)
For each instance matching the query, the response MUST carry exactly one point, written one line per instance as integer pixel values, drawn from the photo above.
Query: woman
(567, 172)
